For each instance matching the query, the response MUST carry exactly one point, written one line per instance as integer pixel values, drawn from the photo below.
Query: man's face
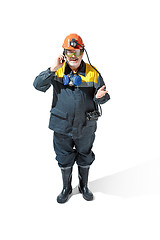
(74, 58)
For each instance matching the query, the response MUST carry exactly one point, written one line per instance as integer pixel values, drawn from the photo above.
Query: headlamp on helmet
(73, 41)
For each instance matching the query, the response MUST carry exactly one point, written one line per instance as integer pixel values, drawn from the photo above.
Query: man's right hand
(58, 63)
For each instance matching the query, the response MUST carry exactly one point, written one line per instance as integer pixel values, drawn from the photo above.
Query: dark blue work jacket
(71, 103)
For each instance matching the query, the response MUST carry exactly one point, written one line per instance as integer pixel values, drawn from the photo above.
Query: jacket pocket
(59, 113)
(58, 120)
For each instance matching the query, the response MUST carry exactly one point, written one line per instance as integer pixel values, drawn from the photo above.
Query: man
(77, 89)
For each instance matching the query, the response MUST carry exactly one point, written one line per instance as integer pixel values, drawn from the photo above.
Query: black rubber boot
(67, 188)
(83, 181)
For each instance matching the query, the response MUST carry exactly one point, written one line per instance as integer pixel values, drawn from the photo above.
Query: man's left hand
(101, 92)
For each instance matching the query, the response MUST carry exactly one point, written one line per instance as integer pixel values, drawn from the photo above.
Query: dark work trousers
(70, 150)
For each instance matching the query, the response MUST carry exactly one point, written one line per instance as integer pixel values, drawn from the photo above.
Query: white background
(122, 39)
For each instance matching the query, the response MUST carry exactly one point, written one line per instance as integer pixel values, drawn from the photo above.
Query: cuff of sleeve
(102, 99)
(50, 72)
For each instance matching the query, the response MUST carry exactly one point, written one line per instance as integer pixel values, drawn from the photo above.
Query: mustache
(73, 59)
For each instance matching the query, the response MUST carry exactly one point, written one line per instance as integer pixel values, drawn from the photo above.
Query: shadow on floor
(136, 181)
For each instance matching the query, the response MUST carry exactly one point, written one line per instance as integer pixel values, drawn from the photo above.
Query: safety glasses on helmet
(76, 52)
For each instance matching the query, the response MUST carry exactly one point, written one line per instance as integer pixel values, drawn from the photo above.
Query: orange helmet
(68, 39)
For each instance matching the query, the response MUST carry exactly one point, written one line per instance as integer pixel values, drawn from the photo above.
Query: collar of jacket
(81, 69)
(88, 74)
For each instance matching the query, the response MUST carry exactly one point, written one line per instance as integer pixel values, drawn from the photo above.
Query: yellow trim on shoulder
(91, 75)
